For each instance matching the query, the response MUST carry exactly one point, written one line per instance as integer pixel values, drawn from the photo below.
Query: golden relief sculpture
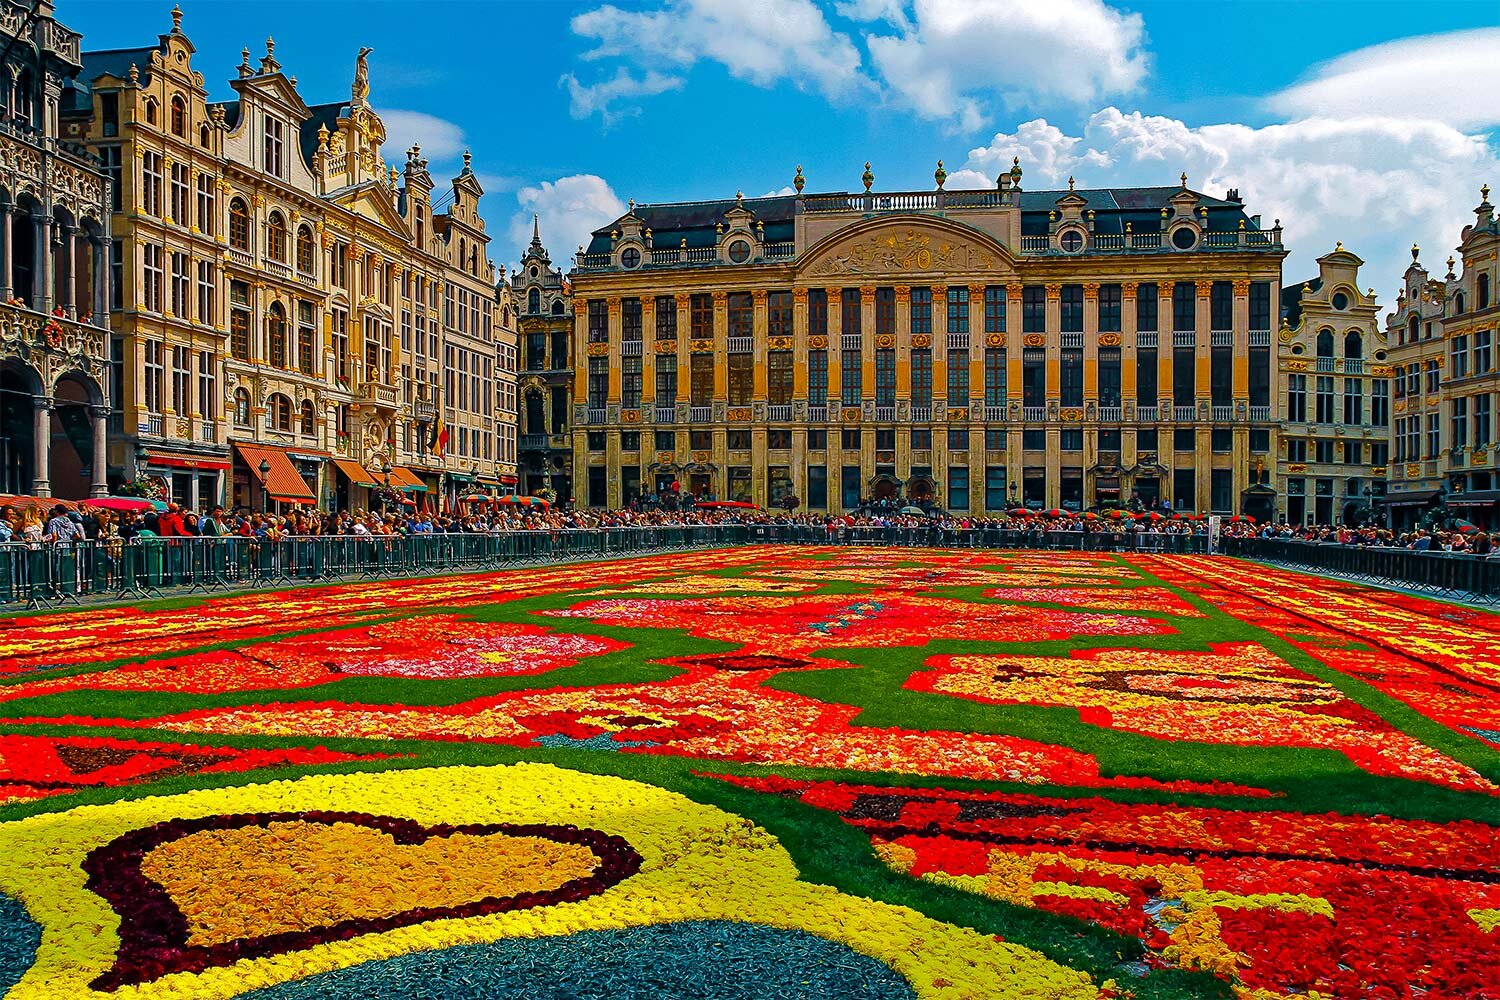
(817, 342)
(737, 413)
(598, 350)
(779, 344)
(920, 340)
(913, 250)
(994, 340)
(1035, 340)
(1110, 340)
(630, 416)
(702, 347)
(666, 347)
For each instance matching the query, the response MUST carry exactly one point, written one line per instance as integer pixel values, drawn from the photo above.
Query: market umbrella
(1467, 527)
(918, 511)
(1055, 512)
(475, 498)
(1116, 514)
(1184, 516)
(23, 501)
(1241, 519)
(1150, 515)
(1019, 512)
(732, 504)
(523, 501)
(1089, 515)
(128, 505)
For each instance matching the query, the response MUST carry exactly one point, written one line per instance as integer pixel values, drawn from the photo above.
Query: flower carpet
(759, 772)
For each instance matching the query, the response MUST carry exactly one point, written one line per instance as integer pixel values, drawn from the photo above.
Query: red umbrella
(1019, 512)
(1241, 519)
(127, 505)
(1150, 515)
(1055, 512)
(475, 498)
(732, 504)
(1116, 514)
(1090, 516)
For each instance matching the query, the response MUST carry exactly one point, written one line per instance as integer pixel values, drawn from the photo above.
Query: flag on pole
(439, 441)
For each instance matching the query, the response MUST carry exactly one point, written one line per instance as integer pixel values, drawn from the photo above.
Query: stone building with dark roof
(970, 350)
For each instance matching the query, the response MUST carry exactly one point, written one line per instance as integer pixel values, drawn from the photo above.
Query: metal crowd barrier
(1443, 574)
(49, 575)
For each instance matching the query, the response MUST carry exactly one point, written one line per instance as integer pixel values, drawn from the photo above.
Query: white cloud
(784, 192)
(585, 100)
(1432, 77)
(763, 42)
(890, 11)
(958, 55)
(1377, 184)
(439, 138)
(571, 208)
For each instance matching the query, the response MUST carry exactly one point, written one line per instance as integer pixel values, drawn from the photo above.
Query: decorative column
(7, 214)
(99, 247)
(42, 439)
(42, 266)
(99, 414)
(69, 242)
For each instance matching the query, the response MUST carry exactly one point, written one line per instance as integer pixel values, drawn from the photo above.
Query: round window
(630, 258)
(1183, 238)
(1071, 241)
(739, 251)
(533, 272)
(1340, 301)
(1297, 348)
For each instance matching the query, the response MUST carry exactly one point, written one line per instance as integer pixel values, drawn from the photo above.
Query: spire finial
(176, 20)
(134, 75)
(536, 228)
(1338, 245)
(799, 182)
(632, 207)
(868, 177)
(1184, 180)
(739, 197)
(1484, 193)
(1070, 182)
(1414, 251)
(1451, 262)
(468, 161)
(940, 175)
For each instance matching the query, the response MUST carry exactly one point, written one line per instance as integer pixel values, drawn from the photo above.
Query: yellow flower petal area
(1488, 920)
(215, 876)
(700, 863)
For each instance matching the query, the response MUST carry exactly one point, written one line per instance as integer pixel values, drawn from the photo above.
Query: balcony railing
(208, 432)
(817, 414)
(378, 393)
(885, 414)
(700, 414)
(1033, 414)
(1260, 413)
(1110, 414)
(994, 414)
(1260, 338)
(779, 412)
(850, 342)
(630, 348)
(666, 414)
(596, 414)
(1185, 338)
(1324, 365)
(921, 414)
(240, 257)
(1184, 414)
(958, 341)
(1146, 414)
(741, 345)
(1221, 338)
(1145, 338)
(154, 424)
(535, 442)
(1072, 339)
(1354, 366)
(1221, 414)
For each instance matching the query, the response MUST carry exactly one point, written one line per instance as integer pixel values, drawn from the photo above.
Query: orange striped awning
(282, 482)
(357, 474)
(406, 481)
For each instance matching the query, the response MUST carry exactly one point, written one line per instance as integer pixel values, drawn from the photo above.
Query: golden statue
(361, 88)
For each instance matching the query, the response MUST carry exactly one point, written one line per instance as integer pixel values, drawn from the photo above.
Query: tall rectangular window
(1260, 305)
(1296, 398)
(114, 170)
(817, 378)
(958, 487)
(1109, 376)
(630, 319)
(779, 378)
(182, 380)
(630, 382)
(1354, 401)
(1070, 389)
(817, 487)
(1109, 308)
(1033, 377)
(701, 380)
(779, 314)
(598, 313)
(273, 158)
(849, 483)
(741, 314)
(921, 376)
(306, 337)
(741, 379)
(1221, 306)
(817, 312)
(958, 378)
(153, 375)
(666, 317)
(851, 377)
(921, 310)
(994, 487)
(206, 211)
(1034, 309)
(1260, 376)
(1380, 402)
(1460, 422)
(153, 277)
(151, 183)
(181, 286)
(208, 407)
(207, 293)
(666, 380)
(885, 377)
(180, 195)
(1147, 296)
(1325, 399)
(1184, 306)
(701, 316)
(885, 311)
(851, 318)
(1482, 419)
(958, 310)
(1146, 387)
(994, 309)
(1184, 377)
(1070, 309)
(1221, 376)
(239, 320)
(994, 376)
(598, 384)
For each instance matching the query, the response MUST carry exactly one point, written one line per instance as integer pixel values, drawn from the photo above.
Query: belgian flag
(438, 442)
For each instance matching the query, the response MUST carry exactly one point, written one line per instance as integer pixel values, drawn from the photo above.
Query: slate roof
(1291, 300)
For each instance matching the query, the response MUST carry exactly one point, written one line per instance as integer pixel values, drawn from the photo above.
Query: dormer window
(274, 146)
(1071, 241)
(150, 111)
(203, 139)
(179, 117)
(1340, 301)
(1184, 238)
(630, 257)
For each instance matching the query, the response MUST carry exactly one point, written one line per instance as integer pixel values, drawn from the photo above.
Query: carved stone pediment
(907, 248)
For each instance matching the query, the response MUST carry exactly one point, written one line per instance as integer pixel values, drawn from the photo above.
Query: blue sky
(1371, 122)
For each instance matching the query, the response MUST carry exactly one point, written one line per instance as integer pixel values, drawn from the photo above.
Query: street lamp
(265, 493)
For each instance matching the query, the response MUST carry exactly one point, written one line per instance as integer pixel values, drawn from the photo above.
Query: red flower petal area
(1400, 892)
(1439, 659)
(803, 624)
(154, 932)
(431, 646)
(34, 767)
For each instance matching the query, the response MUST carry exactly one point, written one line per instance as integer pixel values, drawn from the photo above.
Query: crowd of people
(1464, 538)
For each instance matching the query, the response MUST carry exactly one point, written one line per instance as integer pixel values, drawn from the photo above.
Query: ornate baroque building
(1443, 331)
(297, 322)
(54, 276)
(1336, 406)
(973, 348)
(546, 328)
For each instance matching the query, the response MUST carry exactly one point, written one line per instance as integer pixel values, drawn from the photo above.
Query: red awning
(356, 473)
(281, 481)
(177, 460)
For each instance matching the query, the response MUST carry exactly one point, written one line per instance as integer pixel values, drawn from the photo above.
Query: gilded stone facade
(54, 277)
(1335, 409)
(287, 291)
(966, 349)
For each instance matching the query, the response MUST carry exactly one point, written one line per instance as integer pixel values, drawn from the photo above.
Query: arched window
(1325, 343)
(1411, 330)
(203, 135)
(1458, 303)
(306, 252)
(534, 301)
(276, 335)
(241, 408)
(276, 237)
(150, 111)
(281, 412)
(557, 307)
(1482, 291)
(179, 117)
(1354, 345)
(463, 252)
(239, 224)
(309, 423)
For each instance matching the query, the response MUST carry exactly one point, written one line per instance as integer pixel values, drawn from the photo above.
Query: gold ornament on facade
(598, 350)
(1035, 340)
(1296, 469)
(738, 414)
(849, 416)
(1090, 291)
(1413, 471)
(994, 340)
(779, 344)
(1054, 290)
(720, 297)
(702, 457)
(1382, 371)
(912, 250)
(885, 340)
(630, 416)
(1295, 365)
(1203, 288)
(613, 303)
(666, 347)
(759, 296)
(683, 301)
(1072, 413)
(1241, 286)
(921, 340)
(799, 296)
(1110, 340)
(664, 458)
(959, 413)
(702, 347)
(1013, 291)
(817, 342)
(867, 293)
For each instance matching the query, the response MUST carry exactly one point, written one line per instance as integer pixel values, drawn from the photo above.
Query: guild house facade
(971, 350)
